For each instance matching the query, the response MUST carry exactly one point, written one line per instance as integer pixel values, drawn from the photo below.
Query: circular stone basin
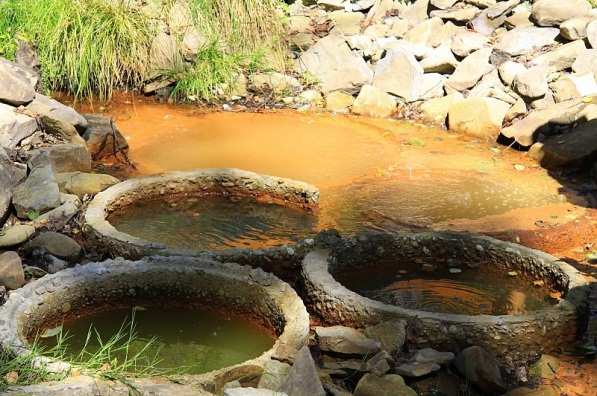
(380, 276)
(219, 210)
(258, 316)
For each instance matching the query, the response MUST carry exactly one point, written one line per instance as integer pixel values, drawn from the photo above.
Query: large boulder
(400, 74)
(62, 158)
(14, 126)
(303, 378)
(18, 84)
(480, 117)
(470, 70)
(335, 65)
(524, 40)
(45, 106)
(345, 340)
(81, 183)
(573, 149)
(481, 369)
(38, 194)
(554, 12)
(388, 385)
(11, 270)
(103, 137)
(373, 102)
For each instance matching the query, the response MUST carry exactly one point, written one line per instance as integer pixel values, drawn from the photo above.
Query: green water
(193, 341)
(471, 292)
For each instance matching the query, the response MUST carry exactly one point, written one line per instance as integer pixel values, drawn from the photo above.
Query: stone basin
(533, 333)
(237, 290)
(224, 183)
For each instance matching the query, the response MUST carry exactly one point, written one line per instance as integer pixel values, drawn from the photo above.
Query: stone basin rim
(25, 302)
(105, 235)
(339, 305)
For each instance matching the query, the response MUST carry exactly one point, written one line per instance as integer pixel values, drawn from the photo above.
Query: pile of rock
(46, 152)
(480, 67)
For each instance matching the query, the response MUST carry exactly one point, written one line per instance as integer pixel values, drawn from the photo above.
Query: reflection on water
(192, 340)
(471, 292)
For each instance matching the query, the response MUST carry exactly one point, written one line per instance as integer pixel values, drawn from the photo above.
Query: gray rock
(531, 83)
(274, 375)
(430, 355)
(64, 132)
(11, 270)
(576, 28)
(55, 264)
(62, 158)
(380, 364)
(404, 84)
(26, 57)
(303, 379)
(80, 184)
(560, 58)
(45, 106)
(388, 385)
(56, 244)
(391, 334)
(573, 149)
(103, 137)
(470, 70)
(554, 12)
(373, 102)
(16, 235)
(345, 340)
(14, 126)
(322, 61)
(57, 218)
(480, 368)
(524, 40)
(16, 82)
(38, 194)
(416, 369)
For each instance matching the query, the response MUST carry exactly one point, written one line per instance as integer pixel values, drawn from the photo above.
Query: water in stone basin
(189, 341)
(478, 291)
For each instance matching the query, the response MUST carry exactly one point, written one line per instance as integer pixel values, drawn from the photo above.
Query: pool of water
(184, 341)
(470, 292)
(214, 223)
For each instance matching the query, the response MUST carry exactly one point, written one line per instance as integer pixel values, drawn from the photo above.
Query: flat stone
(576, 28)
(519, 18)
(460, 15)
(524, 40)
(554, 12)
(575, 148)
(425, 32)
(466, 42)
(345, 340)
(14, 126)
(63, 158)
(373, 102)
(38, 194)
(11, 270)
(17, 86)
(470, 70)
(56, 219)
(430, 355)
(391, 335)
(560, 58)
(388, 385)
(485, 25)
(80, 184)
(416, 369)
(45, 106)
(531, 83)
(573, 86)
(481, 369)
(252, 392)
(346, 23)
(480, 117)
(339, 102)
(56, 244)
(303, 378)
(404, 84)
(322, 60)
(15, 235)
(501, 8)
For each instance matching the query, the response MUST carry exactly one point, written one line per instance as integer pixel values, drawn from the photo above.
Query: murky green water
(189, 341)
(471, 292)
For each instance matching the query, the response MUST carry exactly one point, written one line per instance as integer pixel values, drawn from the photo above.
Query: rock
(562, 57)
(430, 355)
(404, 84)
(302, 378)
(481, 3)
(38, 194)
(277, 82)
(575, 28)
(80, 184)
(531, 83)
(345, 340)
(518, 109)
(322, 60)
(425, 32)
(346, 23)
(416, 13)
(338, 102)
(388, 385)
(541, 390)
(56, 244)
(554, 12)
(480, 117)
(62, 158)
(573, 149)
(18, 85)
(379, 364)
(439, 60)
(592, 34)
(435, 110)
(443, 4)
(586, 62)
(470, 70)
(274, 375)
(524, 130)
(466, 42)
(399, 28)
(26, 57)
(192, 42)
(376, 31)
(417, 369)
(45, 106)
(485, 25)
(521, 17)
(574, 86)
(14, 126)
(11, 270)
(391, 334)
(525, 40)
(57, 218)
(55, 264)
(460, 15)
(60, 130)
(373, 102)
(251, 392)
(103, 137)
(501, 8)
(331, 4)
(481, 369)
(15, 235)
(164, 54)
(508, 71)
(431, 86)
(545, 368)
